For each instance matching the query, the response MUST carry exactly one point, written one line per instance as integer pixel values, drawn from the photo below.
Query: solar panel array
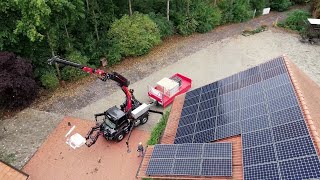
(260, 104)
(194, 159)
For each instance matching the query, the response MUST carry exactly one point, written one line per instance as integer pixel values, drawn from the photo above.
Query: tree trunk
(168, 10)
(130, 9)
(188, 7)
(87, 1)
(67, 33)
(95, 25)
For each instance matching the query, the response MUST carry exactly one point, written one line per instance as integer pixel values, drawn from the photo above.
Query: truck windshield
(109, 123)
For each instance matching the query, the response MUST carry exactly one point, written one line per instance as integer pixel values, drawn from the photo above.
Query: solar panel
(216, 167)
(257, 138)
(185, 130)
(265, 171)
(204, 136)
(279, 91)
(209, 95)
(189, 110)
(228, 107)
(221, 150)
(187, 167)
(254, 124)
(295, 148)
(282, 103)
(253, 111)
(206, 124)
(160, 166)
(188, 119)
(164, 151)
(189, 151)
(273, 72)
(290, 130)
(210, 87)
(302, 168)
(193, 93)
(276, 81)
(259, 155)
(214, 159)
(260, 104)
(228, 118)
(228, 130)
(184, 139)
(208, 104)
(252, 100)
(286, 115)
(249, 72)
(250, 80)
(191, 101)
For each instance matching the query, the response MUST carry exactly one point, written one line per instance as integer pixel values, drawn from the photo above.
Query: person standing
(140, 149)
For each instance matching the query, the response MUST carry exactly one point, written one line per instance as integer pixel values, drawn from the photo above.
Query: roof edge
(309, 120)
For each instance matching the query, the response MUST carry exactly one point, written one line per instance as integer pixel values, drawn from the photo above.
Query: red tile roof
(8, 172)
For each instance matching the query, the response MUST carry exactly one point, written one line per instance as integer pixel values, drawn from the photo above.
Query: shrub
(70, 73)
(17, 85)
(316, 9)
(132, 36)
(186, 25)
(258, 5)
(239, 11)
(280, 5)
(165, 27)
(242, 11)
(297, 20)
(158, 130)
(49, 80)
(206, 16)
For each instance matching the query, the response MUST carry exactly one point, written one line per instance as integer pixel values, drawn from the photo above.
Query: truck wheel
(120, 136)
(144, 119)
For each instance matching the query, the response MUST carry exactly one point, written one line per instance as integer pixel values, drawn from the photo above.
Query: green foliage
(280, 5)
(8, 158)
(186, 24)
(297, 20)
(132, 36)
(158, 130)
(206, 16)
(165, 27)
(259, 5)
(69, 73)
(235, 11)
(49, 80)
(242, 11)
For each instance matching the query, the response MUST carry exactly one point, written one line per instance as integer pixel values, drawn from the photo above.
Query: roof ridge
(306, 113)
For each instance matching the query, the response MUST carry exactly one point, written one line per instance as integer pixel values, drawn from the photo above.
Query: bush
(186, 25)
(49, 80)
(158, 130)
(239, 11)
(280, 5)
(316, 9)
(165, 27)
(17, 85)
(259, 5)
(132, 36)
(206, 16)
(71, 73)
(297, 20)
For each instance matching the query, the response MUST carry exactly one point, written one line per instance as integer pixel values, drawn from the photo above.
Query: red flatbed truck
(168, 88)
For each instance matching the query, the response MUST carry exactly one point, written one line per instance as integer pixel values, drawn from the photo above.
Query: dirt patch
(104, 160)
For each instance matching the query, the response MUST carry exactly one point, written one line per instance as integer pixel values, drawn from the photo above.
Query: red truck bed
(164, 99)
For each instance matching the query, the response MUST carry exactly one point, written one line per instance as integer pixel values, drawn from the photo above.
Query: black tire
(144, 119)
(120, 137)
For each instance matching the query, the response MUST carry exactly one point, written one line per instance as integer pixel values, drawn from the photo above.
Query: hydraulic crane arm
(122, 81)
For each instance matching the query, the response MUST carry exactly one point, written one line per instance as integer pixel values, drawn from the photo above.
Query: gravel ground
(219, 53)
